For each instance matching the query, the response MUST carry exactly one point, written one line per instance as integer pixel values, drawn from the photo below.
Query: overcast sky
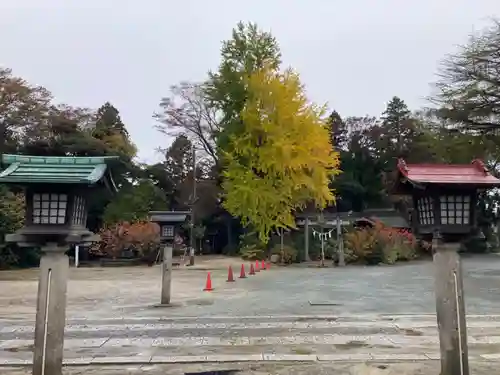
(354, 54)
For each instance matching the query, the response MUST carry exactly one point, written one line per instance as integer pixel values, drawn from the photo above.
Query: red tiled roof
(469, 174)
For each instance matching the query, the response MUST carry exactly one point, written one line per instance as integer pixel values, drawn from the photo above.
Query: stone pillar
(450, 308)
(50, 311)
(166, 280)
(306, 240)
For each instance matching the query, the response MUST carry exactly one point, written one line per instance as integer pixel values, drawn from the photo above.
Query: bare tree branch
(21, 106)
(187, 112)
(468, 89)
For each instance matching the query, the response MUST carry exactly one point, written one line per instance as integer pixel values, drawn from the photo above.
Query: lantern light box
(444, 195)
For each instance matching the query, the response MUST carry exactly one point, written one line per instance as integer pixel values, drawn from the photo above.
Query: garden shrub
(11, 219)
(475, 245)
(251, 247)
(288, 255)
(389, 253)
(380, 244)
(140, 238)
(298, 242)
(252, 252)
(8, 258)
(13, 256)
(230, 249)
(361, 242)
(349, 256)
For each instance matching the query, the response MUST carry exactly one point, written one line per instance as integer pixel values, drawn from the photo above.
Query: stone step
(347, 341)
(156, 340)
(251, 327)
(345, 349)
(399, 318)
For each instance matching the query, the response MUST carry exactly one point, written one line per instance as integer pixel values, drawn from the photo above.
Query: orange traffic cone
(268, 265)
(263, 265)
(230, 277)
(257, 266)
(252, 271)
(208, 285)
(242, 272)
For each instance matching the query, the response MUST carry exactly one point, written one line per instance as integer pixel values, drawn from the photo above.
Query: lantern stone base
(36, 235)
(450, 309)
(51, 311)
(166, 280)
(52, 284)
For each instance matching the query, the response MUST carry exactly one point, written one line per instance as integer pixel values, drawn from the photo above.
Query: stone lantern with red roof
(444, 202)
(444, 195)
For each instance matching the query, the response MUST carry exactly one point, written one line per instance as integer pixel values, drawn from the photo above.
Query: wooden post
(282, 245)
(340, 242)
(306, 240)
(450, 308)
(322, 245)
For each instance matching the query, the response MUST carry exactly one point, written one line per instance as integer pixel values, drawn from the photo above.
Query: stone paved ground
(373, 368)
(276, 338)
(297, 314)
(132, 292)
(114, 291)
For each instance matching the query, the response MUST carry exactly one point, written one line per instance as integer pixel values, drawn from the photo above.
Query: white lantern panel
(79, 211)
(425, 211)
(455, 209)
(49, 208)
(167, 231)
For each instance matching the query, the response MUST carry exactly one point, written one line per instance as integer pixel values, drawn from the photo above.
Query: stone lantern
(169, 222)
(56, 213)
(444, 201)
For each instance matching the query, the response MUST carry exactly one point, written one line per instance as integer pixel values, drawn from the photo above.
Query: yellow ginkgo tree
(281, 157)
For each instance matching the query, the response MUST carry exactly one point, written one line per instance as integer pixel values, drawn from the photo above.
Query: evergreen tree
(111, 131)
(395, 125)
(338, 131)
(249, 50)
(393, 137)
(108, 120)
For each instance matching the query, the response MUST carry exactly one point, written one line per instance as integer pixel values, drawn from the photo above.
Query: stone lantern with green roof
(56, 191)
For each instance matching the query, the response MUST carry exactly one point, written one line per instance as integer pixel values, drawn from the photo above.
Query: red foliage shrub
(381, 244)
(141, 238)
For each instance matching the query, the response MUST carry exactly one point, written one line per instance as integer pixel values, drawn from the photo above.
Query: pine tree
(111, 131)
(109, 121)
(396, 132)
(338, 131)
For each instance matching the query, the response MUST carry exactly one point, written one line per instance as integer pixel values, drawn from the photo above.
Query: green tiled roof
(54, 169)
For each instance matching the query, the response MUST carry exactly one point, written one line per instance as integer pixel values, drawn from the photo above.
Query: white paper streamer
(324, 235)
